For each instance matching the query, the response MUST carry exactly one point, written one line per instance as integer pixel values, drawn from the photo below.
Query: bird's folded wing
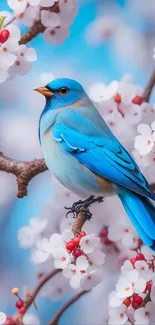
(105, 157)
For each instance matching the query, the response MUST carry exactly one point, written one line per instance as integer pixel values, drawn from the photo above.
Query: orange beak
(44, 91)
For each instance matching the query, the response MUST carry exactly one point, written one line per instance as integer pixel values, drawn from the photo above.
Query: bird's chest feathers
(51, 151)
(56, 159)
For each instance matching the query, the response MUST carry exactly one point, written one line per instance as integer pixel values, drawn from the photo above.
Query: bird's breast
(70, 172)
(52, 151)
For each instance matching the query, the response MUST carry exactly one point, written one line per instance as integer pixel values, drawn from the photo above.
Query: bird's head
(61, 92)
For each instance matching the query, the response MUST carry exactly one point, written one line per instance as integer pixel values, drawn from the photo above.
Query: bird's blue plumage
(72, 130)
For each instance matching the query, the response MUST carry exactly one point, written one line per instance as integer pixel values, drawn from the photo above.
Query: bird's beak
(44, 91)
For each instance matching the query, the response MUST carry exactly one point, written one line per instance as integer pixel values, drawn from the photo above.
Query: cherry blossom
(143, 270)
(29, 235)
(18, 6)
(118, 316)
(123, 231)
(23, 60)
(56, 36)
(67, 6)
(114, 301)
(96, 258)
(91, 279)
(89, 243)
(145, 315)
(42, 252)
(45, 247)
(126, 288)
(61, 258)
(2, 318)
(148, 253)
(144, 143)
(30, 15)
(99, 91)
(75, 272)
(129, 272)
(50, 19)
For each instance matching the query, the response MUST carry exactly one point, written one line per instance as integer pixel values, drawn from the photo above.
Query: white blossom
(144, 143)
(2, 318)
(92, 279)
(23, 61)
(29, 235)
(89, 243)
(61, 258)
(143, 270)
(148, 253)
(18, 6)
(118, 316)
(96, 258)
(56, 36)
(145, 315)
(75, 272)
(50, 19)
(122, 231)
(30, 15)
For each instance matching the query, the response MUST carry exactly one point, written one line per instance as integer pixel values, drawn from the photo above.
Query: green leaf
(2, 18)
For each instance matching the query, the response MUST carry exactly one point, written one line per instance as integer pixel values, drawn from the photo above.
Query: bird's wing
(105, 156)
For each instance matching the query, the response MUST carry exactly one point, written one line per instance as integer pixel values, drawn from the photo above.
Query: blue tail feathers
(142, 215)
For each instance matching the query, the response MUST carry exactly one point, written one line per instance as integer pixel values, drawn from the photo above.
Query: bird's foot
(83, 206)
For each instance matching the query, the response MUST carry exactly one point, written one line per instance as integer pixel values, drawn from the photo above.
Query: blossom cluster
(145, 142)
(133, 300)
(79, 257)
(14, 58)
(120, 103)
(55, 15)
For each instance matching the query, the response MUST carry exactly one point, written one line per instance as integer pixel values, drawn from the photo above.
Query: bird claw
(83, 206)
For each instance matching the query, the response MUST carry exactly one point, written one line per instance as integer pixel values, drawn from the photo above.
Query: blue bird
(85, 156)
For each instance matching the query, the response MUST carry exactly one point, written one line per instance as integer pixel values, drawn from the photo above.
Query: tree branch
(149, 87)
(37, 27)
(56, 318)
(24, 171)
(152, 186)
(30, 299)
(80, 219)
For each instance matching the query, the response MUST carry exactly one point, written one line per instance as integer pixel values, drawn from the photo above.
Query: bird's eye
(63, 91)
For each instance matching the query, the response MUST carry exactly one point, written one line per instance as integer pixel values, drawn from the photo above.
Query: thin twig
(149, 87)
(23, 170)
(10, 21)
(30, 299)
(44, 279)
(56, 318)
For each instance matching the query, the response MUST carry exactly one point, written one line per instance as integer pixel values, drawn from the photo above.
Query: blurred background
(109, 38)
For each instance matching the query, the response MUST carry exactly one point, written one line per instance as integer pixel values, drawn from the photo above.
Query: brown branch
(24, 171)
(56, 318)
(81, 218)
(37, 27)
(30, 299)
(83, 215)
(149, 87)
(152, 186)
